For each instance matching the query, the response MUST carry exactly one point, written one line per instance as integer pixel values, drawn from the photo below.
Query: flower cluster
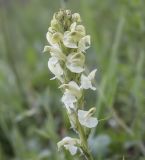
(68, 43)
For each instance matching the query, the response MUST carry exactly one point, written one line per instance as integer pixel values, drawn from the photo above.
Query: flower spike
(68, 43)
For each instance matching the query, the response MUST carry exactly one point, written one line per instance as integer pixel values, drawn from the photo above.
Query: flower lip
(69, 99)
(73, 88)
(85, 118)
(84, 43)
(75, 62)
(86, 81)
(76, 17)
(70, 144)
(55, 68)
(55, 51)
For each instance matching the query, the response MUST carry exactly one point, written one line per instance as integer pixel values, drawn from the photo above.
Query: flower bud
(51, 30)
(68, 14)
(81, 29)
(55, 25)
(59, 15)
(76, 17)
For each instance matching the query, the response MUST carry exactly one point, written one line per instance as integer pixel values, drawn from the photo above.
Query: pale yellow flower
(84, 43)
(70, 144)
(55, 51)
(69, 99)
(73, 88)
(55, 68)
(86, 119)
(72, 37)
(86, 81)
(75, 62)
(76, 17)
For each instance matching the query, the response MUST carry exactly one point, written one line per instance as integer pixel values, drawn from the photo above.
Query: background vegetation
(32, 118)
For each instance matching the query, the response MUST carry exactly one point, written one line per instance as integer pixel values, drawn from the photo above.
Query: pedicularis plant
(68, 44)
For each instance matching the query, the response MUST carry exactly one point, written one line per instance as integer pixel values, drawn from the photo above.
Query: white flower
(80, 29)
(55, 68)
(54, 38)
(73, 88)
(75, 62)
(84, 43)
(86, 119)
(55, 51)
(69, 144)
(55, 24)
(86, 81)
(72, 37)
(76, 17)
(49, 38)
(68, 99)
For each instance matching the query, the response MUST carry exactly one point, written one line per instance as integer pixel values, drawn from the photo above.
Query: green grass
(32, 117)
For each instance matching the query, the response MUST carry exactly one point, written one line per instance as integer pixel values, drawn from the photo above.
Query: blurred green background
(32, 117)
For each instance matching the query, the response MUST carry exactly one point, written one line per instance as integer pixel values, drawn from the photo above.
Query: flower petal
(68, 99)
(75, 62)
(69, 41)
(85, 82)
(76, 17)
(75, 69)
(72, 149)
(73, 87)
(49, 38)
(69, 144)
(46, 49)
(91, 122)
(84, 43)
(86, 120)
(73, 27)
(55, 51)
(81, 30)
(91, 76)
(55, 67)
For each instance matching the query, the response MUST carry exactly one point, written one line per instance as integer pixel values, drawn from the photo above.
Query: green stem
(84, 143)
